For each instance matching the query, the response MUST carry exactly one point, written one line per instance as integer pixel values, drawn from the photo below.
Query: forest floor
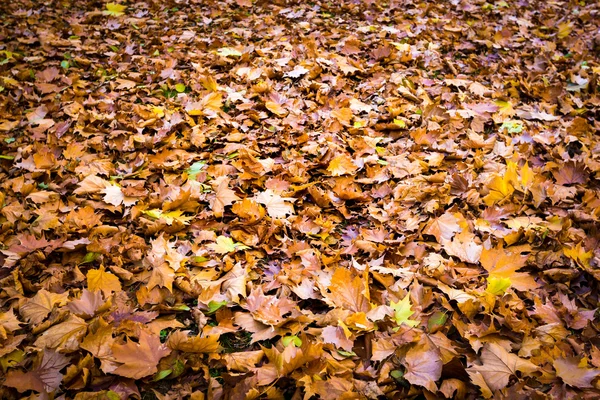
(298, 200)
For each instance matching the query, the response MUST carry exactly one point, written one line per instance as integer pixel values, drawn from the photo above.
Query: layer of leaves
(275, 199)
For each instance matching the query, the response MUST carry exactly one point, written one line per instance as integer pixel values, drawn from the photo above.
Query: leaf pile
(296, 200)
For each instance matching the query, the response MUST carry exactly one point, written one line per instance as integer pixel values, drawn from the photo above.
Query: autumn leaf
(114, 9)
(226, 245)
(277, 206)
(65, 336)
(99, 279)
(341, 165)
(500, 189)
(46, 377)
(423, 367)
(573, 374)
(193, 344)
(497, 366)
(223, 197)
(502, 264)
(169, 217)
(403, 312)
(347, 291)
(138, 360)
(36, 309)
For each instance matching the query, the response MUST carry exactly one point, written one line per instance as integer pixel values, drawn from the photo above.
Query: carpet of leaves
(299, 200)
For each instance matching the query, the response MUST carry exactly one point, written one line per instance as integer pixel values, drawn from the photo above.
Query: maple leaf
(65, 336)
(99, 279)
(87, 304)
(344, 115)
(403, 312)
(443, 227)
(114, 9)
(336, 335)
(92, 184)
(37, 308)
(579, 255)
(223, 197)
(99, 344)
(500, 189)
(9, 321)
(277, 206)
(341, 165)
(139, 360)
(46, 377)
(497, 286)
(498, 365)
(463, 246)
(169, 217)
(573, 374)
(423, 367)
(114, 195)
(179, 340)
(226, 245)
(503, 264)
(249, 210)
(347, 291)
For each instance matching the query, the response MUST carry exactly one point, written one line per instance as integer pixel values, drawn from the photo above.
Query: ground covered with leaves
(336, 200)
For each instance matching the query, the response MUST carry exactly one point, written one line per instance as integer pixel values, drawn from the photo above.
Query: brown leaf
(347, 291)
(570, 371)
(139, 360)
(423, 367)
(37, 308)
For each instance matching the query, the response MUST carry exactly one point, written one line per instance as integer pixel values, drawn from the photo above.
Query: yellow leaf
(564, 30)
(344, 115)
(579, 255)
(169, 217)
(341, 165)
(114, 9)
(511, 173)
(527, 176)
(99, 279)
(500, 189)
(505, 108)
(403, 312)
(276, 109)
(497, 285)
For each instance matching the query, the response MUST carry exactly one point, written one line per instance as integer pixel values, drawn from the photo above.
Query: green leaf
(400, 123)
(228, 52)
(90, 257)
(346, 353)
(7, 157)
(497, 286)
(295, 340)
(402, 312)
(436, 320)
(213, 306)
(65, 64)
(512, 126)
(199, 259)
(162, 375)
(114, 9)
(397, 374)
(112, 395)
(180, 87)
(195, 169)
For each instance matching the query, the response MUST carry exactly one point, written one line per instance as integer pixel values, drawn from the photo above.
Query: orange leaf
(99, 279)
(139, 360)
